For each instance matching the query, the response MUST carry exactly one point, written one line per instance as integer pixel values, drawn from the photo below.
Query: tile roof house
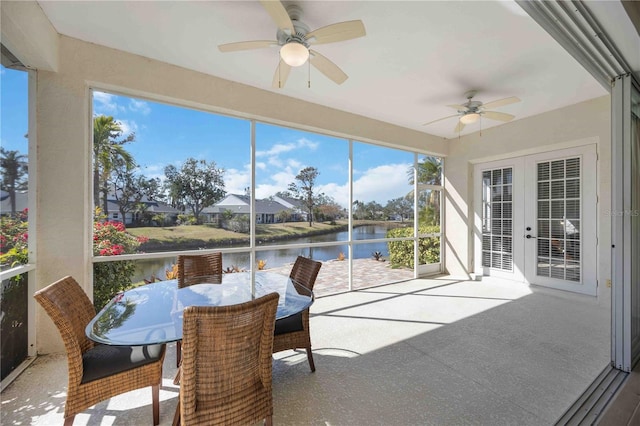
(152, 208)
(267, 211)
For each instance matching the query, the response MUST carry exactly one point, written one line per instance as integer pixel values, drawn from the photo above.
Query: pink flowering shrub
(14, 239)
(112, 239)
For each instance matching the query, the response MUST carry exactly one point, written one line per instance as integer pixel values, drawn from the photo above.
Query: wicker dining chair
(226, 363)
(293, 332)
(97, 372)
(189, 268)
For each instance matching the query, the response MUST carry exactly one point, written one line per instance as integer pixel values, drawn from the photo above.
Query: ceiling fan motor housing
(301, 30)
(471, 107)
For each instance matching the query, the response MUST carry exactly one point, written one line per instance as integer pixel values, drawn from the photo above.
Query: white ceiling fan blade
(278, 14)
(459, 127)
(501, 102)
(337, 32)
(439, 119)
(458, 107)
(246, 45)
(326, 67)
(281, 75)
(500, 116)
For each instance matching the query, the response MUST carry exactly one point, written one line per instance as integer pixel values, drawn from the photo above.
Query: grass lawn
(207, 236)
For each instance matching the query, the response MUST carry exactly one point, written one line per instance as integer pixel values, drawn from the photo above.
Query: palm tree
(107, 152)
(429, 172)
(14, 169)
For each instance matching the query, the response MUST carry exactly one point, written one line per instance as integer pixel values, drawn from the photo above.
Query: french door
(536, 219)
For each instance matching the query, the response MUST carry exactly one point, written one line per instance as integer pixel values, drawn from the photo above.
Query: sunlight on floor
(406, 310)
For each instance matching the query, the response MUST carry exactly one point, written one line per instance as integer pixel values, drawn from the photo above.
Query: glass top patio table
(152, 313)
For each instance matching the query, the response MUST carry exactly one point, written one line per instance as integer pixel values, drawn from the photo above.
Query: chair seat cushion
(104, 360)
(289, 324)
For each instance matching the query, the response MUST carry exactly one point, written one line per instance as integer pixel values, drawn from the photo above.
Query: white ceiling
(417, 56)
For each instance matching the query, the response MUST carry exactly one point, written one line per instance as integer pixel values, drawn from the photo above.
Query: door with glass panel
(536, 219)
(500, 186)
(560, 219)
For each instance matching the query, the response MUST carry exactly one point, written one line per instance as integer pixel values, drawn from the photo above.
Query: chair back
(190, 266)
(71, 310)
(226, 356)
(305, 271)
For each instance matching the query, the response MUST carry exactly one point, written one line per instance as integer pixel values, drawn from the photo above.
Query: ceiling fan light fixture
(470, 118)
(294, 54)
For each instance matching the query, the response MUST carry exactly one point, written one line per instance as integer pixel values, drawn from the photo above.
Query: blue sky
(13, 110)
(166, 134)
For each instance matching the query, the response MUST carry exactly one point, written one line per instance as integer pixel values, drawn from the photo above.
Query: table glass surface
(152, 313)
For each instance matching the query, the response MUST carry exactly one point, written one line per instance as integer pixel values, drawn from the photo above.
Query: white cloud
(104, 103)
(382, 183)
(235, 181)
(266, 190)
(295, 164)
(278, 149)
(261, 166)
(340, 193)
(279, 182)
(275, 162)
(308, 144)
(128, 127)
(139, 106)
(379, 184)
(154, 171)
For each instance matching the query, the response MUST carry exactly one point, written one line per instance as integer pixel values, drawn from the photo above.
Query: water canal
(275, 258)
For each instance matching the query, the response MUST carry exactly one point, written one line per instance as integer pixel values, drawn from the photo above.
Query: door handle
(529, 236)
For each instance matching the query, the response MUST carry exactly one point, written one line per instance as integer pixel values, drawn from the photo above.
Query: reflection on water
(275, 258)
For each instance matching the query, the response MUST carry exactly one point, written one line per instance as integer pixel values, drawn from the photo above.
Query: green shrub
(14, 240)
(111, 239)
(186, 219)
(401, 252)
(109, 278)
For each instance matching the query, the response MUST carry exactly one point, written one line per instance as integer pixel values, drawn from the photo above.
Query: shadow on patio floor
(428, 351)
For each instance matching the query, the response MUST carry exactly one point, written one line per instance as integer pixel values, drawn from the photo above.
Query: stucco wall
(583, 123)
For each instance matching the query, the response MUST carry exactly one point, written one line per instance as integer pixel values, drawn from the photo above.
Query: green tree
(358, 210)
(131, 189)
(304, 189)
(283, 216)
(14, 174)
(198, 184)
(373, 210)
(429, 172)
(108, 150)
(401, 206)
(327, 208)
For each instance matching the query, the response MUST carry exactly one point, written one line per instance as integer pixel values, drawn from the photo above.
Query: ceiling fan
(294, 39)
(471, 111)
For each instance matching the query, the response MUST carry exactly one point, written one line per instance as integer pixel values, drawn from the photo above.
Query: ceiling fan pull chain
(279, 77)
(309, 73)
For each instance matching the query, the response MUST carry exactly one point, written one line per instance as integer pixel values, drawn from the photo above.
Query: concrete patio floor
(420, 352)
